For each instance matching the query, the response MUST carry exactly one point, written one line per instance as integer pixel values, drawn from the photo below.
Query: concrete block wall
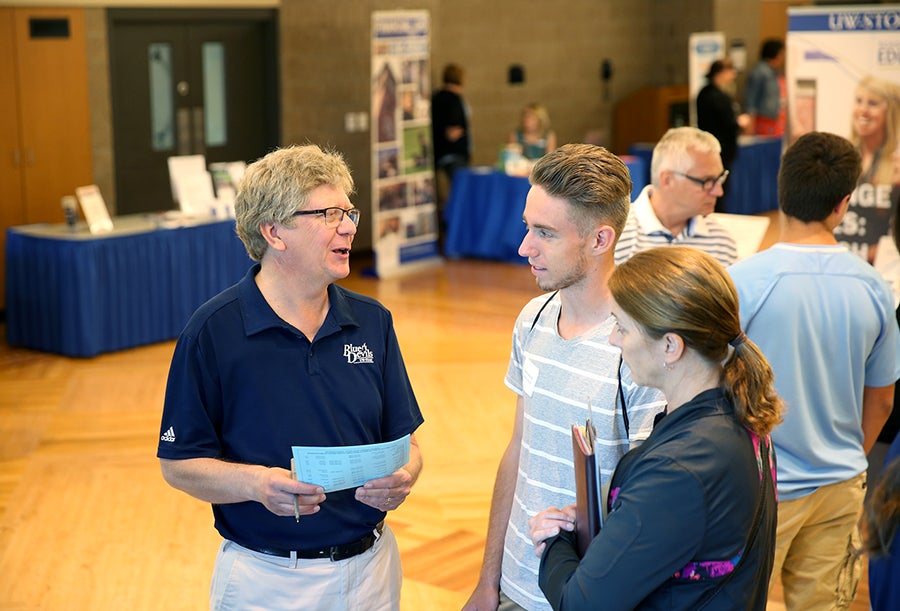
(561, 46)
(325, 53)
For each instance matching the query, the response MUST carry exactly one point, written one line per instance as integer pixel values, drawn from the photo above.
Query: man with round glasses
(686, 175)
(287, 357)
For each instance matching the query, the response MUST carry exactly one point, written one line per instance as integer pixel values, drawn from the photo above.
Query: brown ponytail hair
(675, 289)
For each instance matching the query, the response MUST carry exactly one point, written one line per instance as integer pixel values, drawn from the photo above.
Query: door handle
(183, 118)
(197, 122)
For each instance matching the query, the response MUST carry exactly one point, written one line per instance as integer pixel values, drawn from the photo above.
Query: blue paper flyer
(342, 467)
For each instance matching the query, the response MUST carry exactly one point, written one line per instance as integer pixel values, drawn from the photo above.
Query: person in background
(534, 135)
(686, 177)
(561, 363)
(824, 319)
(716, 115)
(450, 125)
(881, 535)
(692, 510)
(887, 263)
(765, 92)
(287, 357)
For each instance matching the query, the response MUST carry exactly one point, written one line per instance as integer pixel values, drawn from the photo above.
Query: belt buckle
(331, 553)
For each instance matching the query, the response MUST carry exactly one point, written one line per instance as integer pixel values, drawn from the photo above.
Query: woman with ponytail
(691, 521)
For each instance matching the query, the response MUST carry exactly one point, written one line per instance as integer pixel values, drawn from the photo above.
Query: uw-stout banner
(843, 72)
(403, 197)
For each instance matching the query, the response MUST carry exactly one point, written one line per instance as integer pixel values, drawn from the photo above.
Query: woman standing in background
(716, 114)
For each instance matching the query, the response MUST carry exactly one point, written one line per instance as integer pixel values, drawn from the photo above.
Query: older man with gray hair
(262, 367)
(686, 179)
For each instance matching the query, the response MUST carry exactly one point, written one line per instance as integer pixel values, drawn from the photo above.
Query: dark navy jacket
(682, 506)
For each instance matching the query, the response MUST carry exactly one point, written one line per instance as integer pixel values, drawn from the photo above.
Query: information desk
(78, 294)
(753, 182)
(484, 212)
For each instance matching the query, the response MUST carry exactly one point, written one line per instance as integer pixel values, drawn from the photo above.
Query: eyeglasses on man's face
(333, 216)
(707, 184)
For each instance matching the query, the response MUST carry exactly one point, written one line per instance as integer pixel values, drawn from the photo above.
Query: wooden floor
(87, 523)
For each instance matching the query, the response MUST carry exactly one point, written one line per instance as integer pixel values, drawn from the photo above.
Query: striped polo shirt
(644, 231)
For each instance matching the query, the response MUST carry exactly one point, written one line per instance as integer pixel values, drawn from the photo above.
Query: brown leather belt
(332, 552)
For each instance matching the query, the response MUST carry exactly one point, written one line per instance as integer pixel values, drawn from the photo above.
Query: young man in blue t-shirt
(825, 320)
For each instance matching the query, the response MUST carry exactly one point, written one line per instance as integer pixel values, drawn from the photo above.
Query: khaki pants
(507, 604)
(244, 579)
(816, 543)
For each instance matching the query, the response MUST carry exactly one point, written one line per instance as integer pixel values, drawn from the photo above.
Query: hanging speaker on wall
(516, 74)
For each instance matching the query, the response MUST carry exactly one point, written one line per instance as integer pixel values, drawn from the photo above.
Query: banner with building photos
(843, 76)
(403, 196)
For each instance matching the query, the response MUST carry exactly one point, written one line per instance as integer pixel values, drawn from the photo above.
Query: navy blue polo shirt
(244, 386)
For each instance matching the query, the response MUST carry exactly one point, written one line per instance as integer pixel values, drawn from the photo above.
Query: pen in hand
(296, 498)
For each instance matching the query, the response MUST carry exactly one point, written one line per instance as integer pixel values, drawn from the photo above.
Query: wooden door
(45, 148)
(12, 211)
(51, 55)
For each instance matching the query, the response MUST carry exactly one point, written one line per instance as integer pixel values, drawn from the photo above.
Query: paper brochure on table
(342, 467)
(192, 185)
(94, 208)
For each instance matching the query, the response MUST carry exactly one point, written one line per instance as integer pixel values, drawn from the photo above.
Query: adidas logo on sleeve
(168, 435)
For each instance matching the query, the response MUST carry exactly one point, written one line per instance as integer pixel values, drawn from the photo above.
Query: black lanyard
(620, 394)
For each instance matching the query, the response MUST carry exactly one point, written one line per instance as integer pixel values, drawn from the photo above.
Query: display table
(483, 215)
(78, 294)
(753, 182)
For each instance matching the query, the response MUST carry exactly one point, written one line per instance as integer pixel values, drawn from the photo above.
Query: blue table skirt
(483, 215)
(83, 297)
(754, 177)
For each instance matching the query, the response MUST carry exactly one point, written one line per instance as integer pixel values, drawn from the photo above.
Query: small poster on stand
(192, 185)
(94, 208)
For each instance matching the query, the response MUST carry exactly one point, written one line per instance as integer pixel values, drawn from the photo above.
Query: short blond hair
(277, 185)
